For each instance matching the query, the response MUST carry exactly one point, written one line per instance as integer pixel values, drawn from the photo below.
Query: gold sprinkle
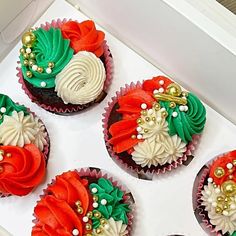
(133, 136)
(219, 172)
(78, 203)
(80, 210)
(147, 118)
(95, 198)
(88, 226)
(8, 154)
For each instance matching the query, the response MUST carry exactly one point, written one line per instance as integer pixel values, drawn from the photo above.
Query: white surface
(177, 37)
(164, 206)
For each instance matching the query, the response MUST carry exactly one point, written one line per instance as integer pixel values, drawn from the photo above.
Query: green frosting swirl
(10, 106)
(186, 124)
(234, 233)
(114, 207)
(50, 46)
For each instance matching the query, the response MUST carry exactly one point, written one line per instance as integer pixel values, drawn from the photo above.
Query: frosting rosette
(153, 124)
(24, 149)
(81, 205)
(21, 169)
(84, 36)
(216, 197)
(65, 66)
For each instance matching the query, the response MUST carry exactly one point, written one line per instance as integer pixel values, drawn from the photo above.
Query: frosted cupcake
(83, 202)
(24, 149)
(216, 196)
(66, 66)
(152, 127)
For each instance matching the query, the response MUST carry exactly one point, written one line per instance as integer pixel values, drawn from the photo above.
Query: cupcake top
(218, 196)
(74, 205)
(153, 123)
(64, 60)
(23, 149)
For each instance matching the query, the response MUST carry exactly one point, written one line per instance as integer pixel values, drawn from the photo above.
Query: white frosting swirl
(82, 79)
(225, 223)
(174, 147)
(18, 130)
(113, 228)
(148, 153)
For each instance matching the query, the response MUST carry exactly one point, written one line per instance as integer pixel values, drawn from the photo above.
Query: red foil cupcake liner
(46, 148)
(100, 173)
(76, 108)
(139, 172)
(200, 213)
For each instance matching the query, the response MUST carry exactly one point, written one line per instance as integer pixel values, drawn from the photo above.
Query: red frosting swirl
(130, 108)
(21, 169)
(56, 213)
(222, 163)
(84, 36)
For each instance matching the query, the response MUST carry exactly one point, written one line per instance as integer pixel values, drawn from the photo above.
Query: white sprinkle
(103, 202)
(75, 232)
(229, 166)
(49, 70)
(43, 84)
(181, 108)
(162, 109)
(34, 67)
(210, 180)
(3, 109)
(85, 219)
(155, 91)
(95, 204)
(225, 213)
(139, 136)
(161, 90)
(28, 50)
(144, 106)
(185, 108)
(139, 129)
(161, 82)
(174, 114)
(94, 190)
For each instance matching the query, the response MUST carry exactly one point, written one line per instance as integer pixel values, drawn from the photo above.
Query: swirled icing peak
(7, 106)
(46, 58)
(81, 81)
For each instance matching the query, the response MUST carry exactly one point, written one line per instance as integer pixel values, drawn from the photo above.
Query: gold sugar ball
(50, 64)
(28, 39)
(174, 90)
(90, 214)
(31, 62)
(95, 198)
(145, 130)
(220, 199)
(234, 162)
(22, 51)
(31, 55)
(184, 93)
(98, 231)
(29, 74)
(164, 114)
(26, 55)
(103, 221)
(218, 210)
(153, 118)
(147, 118)
(8, 154)
(219, 172)
(229, 188)
(26, 62)
(40, 69)
(80, 210)
(226, 207)
(172, 105)
(157, 106)
(97, 214)
(139, 121)
(78, 203)
(144, 113)
(88, 226)
(133, 136)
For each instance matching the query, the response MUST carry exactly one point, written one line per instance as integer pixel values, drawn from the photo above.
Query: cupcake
(65, 66)
(24, 149)
(152, 127)
(215, 204)
(84, 202)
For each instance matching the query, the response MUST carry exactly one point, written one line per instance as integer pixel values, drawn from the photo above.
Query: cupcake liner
(139, 172)
(46, 148)
(199, 210)
(100, 173)
(108, 63)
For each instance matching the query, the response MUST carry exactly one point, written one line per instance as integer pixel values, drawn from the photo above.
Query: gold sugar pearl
(88, 226)
(219, 172)
(28, 39)
(78, 203)
(31, 55)
(133, 136)
(139, 121)
(184, 94)
(50, 64)
(97, 214)
(231, 177)
(144, 113)
(26, 62)
(153, 118)
(157, 106)
(218, 210)
(31, 62)
(22, 50)
(8, 154)
(90, 214)
(220, 199)
(229, 188)
(172, 105)
(95, 198)
(98, 231)
(26, 55)
(103, 221)
(145, 130)
(174, 90)
(80, 210)
(234, 162)
(40, 69)
(29, 74)
(147, 118)
(164, 114)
